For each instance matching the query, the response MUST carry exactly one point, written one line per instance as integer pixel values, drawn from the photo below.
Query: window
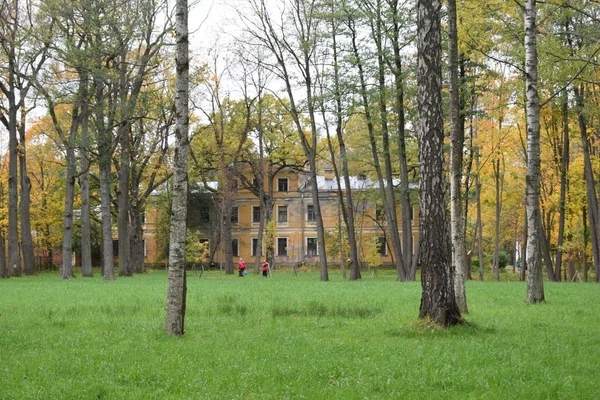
(379, 212)
(310, 213)
(115, 247)
(204, 213)
(235, 215)
(282, 184)
(256, 214)
(255, 184)
(282, 214)
(312, 248)
(381, 246)
(282, 246)
(235, 247)
(256, 247)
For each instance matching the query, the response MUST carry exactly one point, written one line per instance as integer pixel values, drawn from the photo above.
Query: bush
(502, 259)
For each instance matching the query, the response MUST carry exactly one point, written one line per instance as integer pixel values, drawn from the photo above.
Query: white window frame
(287, 219)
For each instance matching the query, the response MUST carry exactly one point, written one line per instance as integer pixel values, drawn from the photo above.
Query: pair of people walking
(242, 268)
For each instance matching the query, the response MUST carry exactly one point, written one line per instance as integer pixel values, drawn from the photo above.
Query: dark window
(282, 246)
(310, 213)
(282, 214)
(255, 247)
(255, 184)
(143, 218)
(115, 247)
(234, 215)
(381, 246)
(379, 212)
(282, 184)
(256, 214)
(312, 247)
(235, 247)
(204, 213)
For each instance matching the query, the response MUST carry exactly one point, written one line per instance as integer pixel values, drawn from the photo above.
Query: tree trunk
(499, 183)
(176, 289)
(397, 252)
(564, 169)
(406, 212)
(26, 237)
(66, 270)
(348, 208)
(123, 198)
(104, 166)
(14, 259)
(535, 284)
(435, 255)
(457, 140)
(592, 200)
(84, 183)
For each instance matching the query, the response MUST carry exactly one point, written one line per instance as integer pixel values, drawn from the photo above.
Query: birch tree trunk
(176, 287)
(456, 165)
(535, 283)
(435, 255)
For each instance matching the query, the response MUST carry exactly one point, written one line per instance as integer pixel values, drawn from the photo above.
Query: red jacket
(241, 265)
(265, 266)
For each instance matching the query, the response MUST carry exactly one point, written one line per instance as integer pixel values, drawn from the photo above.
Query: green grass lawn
(292, 337)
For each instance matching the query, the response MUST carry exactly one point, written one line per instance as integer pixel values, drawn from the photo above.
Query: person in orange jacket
(241, 267)
(265, 268)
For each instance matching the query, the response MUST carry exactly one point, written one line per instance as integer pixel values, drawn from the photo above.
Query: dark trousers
(265, 273)
(241, 271)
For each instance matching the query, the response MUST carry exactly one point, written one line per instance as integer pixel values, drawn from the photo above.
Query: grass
(292, 337)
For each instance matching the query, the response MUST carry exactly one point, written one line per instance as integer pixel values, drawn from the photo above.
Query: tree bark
(592, 199)
(84, 182)
(457, 140)
(438, 301)
(176, 289)
(535, 284)
(104, 166)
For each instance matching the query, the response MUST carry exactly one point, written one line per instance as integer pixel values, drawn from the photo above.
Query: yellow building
(295, 237)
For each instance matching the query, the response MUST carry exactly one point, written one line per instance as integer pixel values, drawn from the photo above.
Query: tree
(456, 160)
(176, 289)
(438, 302)
(535, 284)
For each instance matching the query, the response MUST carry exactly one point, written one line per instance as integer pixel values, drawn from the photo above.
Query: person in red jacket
(265, 268)
(241, 267)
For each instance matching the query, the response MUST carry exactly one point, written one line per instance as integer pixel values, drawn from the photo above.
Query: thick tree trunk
(535, 283)
(457, 140)
(137, 241)
(564, 169)
(438, 301)
(176, 289)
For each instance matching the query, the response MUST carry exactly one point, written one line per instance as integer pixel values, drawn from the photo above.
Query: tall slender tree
(535, 283)
(176, 289)
(456, 160)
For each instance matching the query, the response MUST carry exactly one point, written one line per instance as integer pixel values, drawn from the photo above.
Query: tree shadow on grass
(420, 329)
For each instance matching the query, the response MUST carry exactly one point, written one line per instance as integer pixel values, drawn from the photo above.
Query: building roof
(356, 183)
